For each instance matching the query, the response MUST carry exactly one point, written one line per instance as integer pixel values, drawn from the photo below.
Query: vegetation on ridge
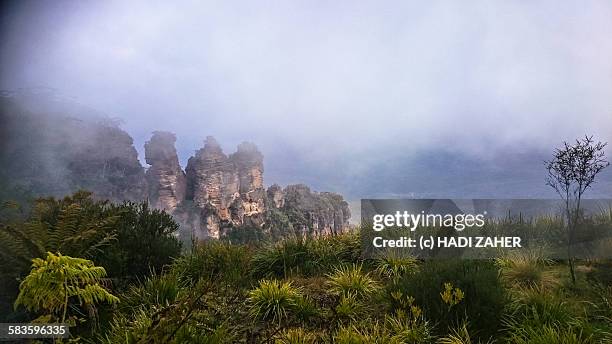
(296, 290)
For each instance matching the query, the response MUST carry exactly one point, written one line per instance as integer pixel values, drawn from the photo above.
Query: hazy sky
(325, 78)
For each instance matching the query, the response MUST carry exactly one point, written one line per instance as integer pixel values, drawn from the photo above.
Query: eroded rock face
(249, 207)
(50, 147)
(165, 177)
(276, 196)
(313, 213)
(108, 165)
(337, 213)
(228, 190)
(47, 150)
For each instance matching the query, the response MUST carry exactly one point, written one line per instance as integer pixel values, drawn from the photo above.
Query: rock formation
(275, 194)
(45, 152)
(165, 178)
(228, 191)
(312, 213)
(249, 208)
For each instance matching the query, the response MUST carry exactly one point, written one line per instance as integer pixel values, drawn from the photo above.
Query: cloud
(327, 79)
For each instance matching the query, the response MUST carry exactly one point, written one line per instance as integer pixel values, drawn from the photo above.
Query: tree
(56, 281)
(571, 172)
(145, 242)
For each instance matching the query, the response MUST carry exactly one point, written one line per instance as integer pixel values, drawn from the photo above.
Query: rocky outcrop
(165, 177)
(276, 196)
(249, 208)
(228, 191)
(45, 150)
(107, 164)
(312, 213)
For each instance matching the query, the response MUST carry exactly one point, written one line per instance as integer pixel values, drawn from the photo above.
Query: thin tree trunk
(570, 237)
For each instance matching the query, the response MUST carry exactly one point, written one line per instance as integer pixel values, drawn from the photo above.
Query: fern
(76, 226)
(58, 279)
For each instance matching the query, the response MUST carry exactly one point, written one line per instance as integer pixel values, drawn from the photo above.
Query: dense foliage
(145, 241)
(295, 290)
(129, 240)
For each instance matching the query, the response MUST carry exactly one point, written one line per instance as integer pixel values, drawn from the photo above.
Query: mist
(333, 93)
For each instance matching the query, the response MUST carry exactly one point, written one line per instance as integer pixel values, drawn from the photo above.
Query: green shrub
(331, 251)
(77, 226)
(145, 242)
(245, 235)
(129, 240)
(140, 327)
(198, 314)
(485, 297)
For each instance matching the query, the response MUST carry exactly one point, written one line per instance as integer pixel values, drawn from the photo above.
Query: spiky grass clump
(525, 270)
(603, 308)
(283, 259)
(351, 279)
(373, 333)
(395, 265)
(295, 336)
(396, 329)
(461, 335)
(128, 328)
(215, 261)
(536, 307)
(153, 290)
(349, 307)
(551, 334)
(331, 251)
(409, 329)
(273, 300)
(539, 316)
(305, 256)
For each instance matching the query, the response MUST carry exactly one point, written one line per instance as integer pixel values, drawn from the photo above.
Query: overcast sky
(325, 78)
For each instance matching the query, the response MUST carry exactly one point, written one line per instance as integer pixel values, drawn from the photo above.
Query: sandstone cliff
(46, 150)
(227, 191)
(311, 213)
(165, 177)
